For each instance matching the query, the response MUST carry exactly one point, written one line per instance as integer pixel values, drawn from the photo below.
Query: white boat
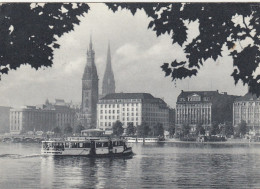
(86, 146)
(141, 140)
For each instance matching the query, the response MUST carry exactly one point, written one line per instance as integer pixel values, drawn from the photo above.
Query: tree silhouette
(143, 130)
(29, 31)
(79, 128)
(220, 25)
(118, 129)
(68, 129)
(131, 129)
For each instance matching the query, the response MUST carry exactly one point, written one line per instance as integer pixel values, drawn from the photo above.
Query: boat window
(80, 145)
(74, 145)
(86, 145)
(121, 143)
(105, 144)
(114, 143)
(98, 144)
(67, 144)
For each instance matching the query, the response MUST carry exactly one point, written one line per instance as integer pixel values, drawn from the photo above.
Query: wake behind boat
(88, 145)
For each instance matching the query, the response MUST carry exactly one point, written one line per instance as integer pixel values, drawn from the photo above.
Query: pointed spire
(108, 80)
(90, 43)
(108, 56)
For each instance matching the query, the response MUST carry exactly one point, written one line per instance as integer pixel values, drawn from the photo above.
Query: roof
(248, 97)
(185, 94)
(128, 96)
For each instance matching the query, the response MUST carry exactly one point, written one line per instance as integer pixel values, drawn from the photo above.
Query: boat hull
(125, 153)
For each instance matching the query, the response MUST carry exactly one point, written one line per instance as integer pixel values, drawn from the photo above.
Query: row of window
(109, 111)
(109, 117)
(117, 105)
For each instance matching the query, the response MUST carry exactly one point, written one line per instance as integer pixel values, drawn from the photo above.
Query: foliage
(143, 130)
(185, 129)
(79, 128)
(29, 31)
(227, 129)
(68, 129)
(199, 129)
(242, 128)
(214, 129)
(118, 129)
(57, 130)
(158, 130)
(220, 25)
(171, 130)
(131, 129)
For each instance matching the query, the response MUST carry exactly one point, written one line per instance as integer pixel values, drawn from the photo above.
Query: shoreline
(229, 142)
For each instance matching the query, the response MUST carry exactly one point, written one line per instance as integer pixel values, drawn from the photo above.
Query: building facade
(203, 107)
(135, 108)
(4, 119)
(108, 80)
(247, 108)
(30, 118)
(42, 117)
(88, 114)
(65, 113)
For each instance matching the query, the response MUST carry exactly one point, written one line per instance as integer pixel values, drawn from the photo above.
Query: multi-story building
(4, 119)
(203, 107)
(135, 108)
(247, 108)
(30, 118)
(42, 117)
(88, 114)
(108, 80)
(65, 113)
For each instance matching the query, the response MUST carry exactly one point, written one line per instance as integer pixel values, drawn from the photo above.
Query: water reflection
(77, 172)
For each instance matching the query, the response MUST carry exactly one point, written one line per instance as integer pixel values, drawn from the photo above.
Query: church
(90, 87)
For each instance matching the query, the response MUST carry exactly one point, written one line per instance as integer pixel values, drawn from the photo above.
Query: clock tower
(89, 101)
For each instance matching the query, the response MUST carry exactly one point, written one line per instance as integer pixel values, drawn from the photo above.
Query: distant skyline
(136, 54)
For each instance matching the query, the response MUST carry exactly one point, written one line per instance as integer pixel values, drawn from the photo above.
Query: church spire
(108, 80)
(90, 42)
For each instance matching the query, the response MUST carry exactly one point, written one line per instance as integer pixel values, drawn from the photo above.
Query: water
(164, 165)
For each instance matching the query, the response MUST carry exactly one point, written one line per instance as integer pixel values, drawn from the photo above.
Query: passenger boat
(90, 146)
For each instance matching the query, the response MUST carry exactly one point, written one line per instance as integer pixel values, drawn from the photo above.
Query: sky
(137, 54)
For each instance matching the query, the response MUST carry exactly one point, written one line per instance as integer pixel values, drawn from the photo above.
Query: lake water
(162, 165)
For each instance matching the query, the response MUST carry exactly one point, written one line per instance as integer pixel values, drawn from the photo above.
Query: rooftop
(128, 96)
(248, 97)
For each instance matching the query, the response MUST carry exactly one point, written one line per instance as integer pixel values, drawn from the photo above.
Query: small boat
(86, 146)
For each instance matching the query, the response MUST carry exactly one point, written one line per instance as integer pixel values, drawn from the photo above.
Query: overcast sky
(137, 55)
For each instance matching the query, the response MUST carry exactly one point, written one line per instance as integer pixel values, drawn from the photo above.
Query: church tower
(89, 90)
(108, 80)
